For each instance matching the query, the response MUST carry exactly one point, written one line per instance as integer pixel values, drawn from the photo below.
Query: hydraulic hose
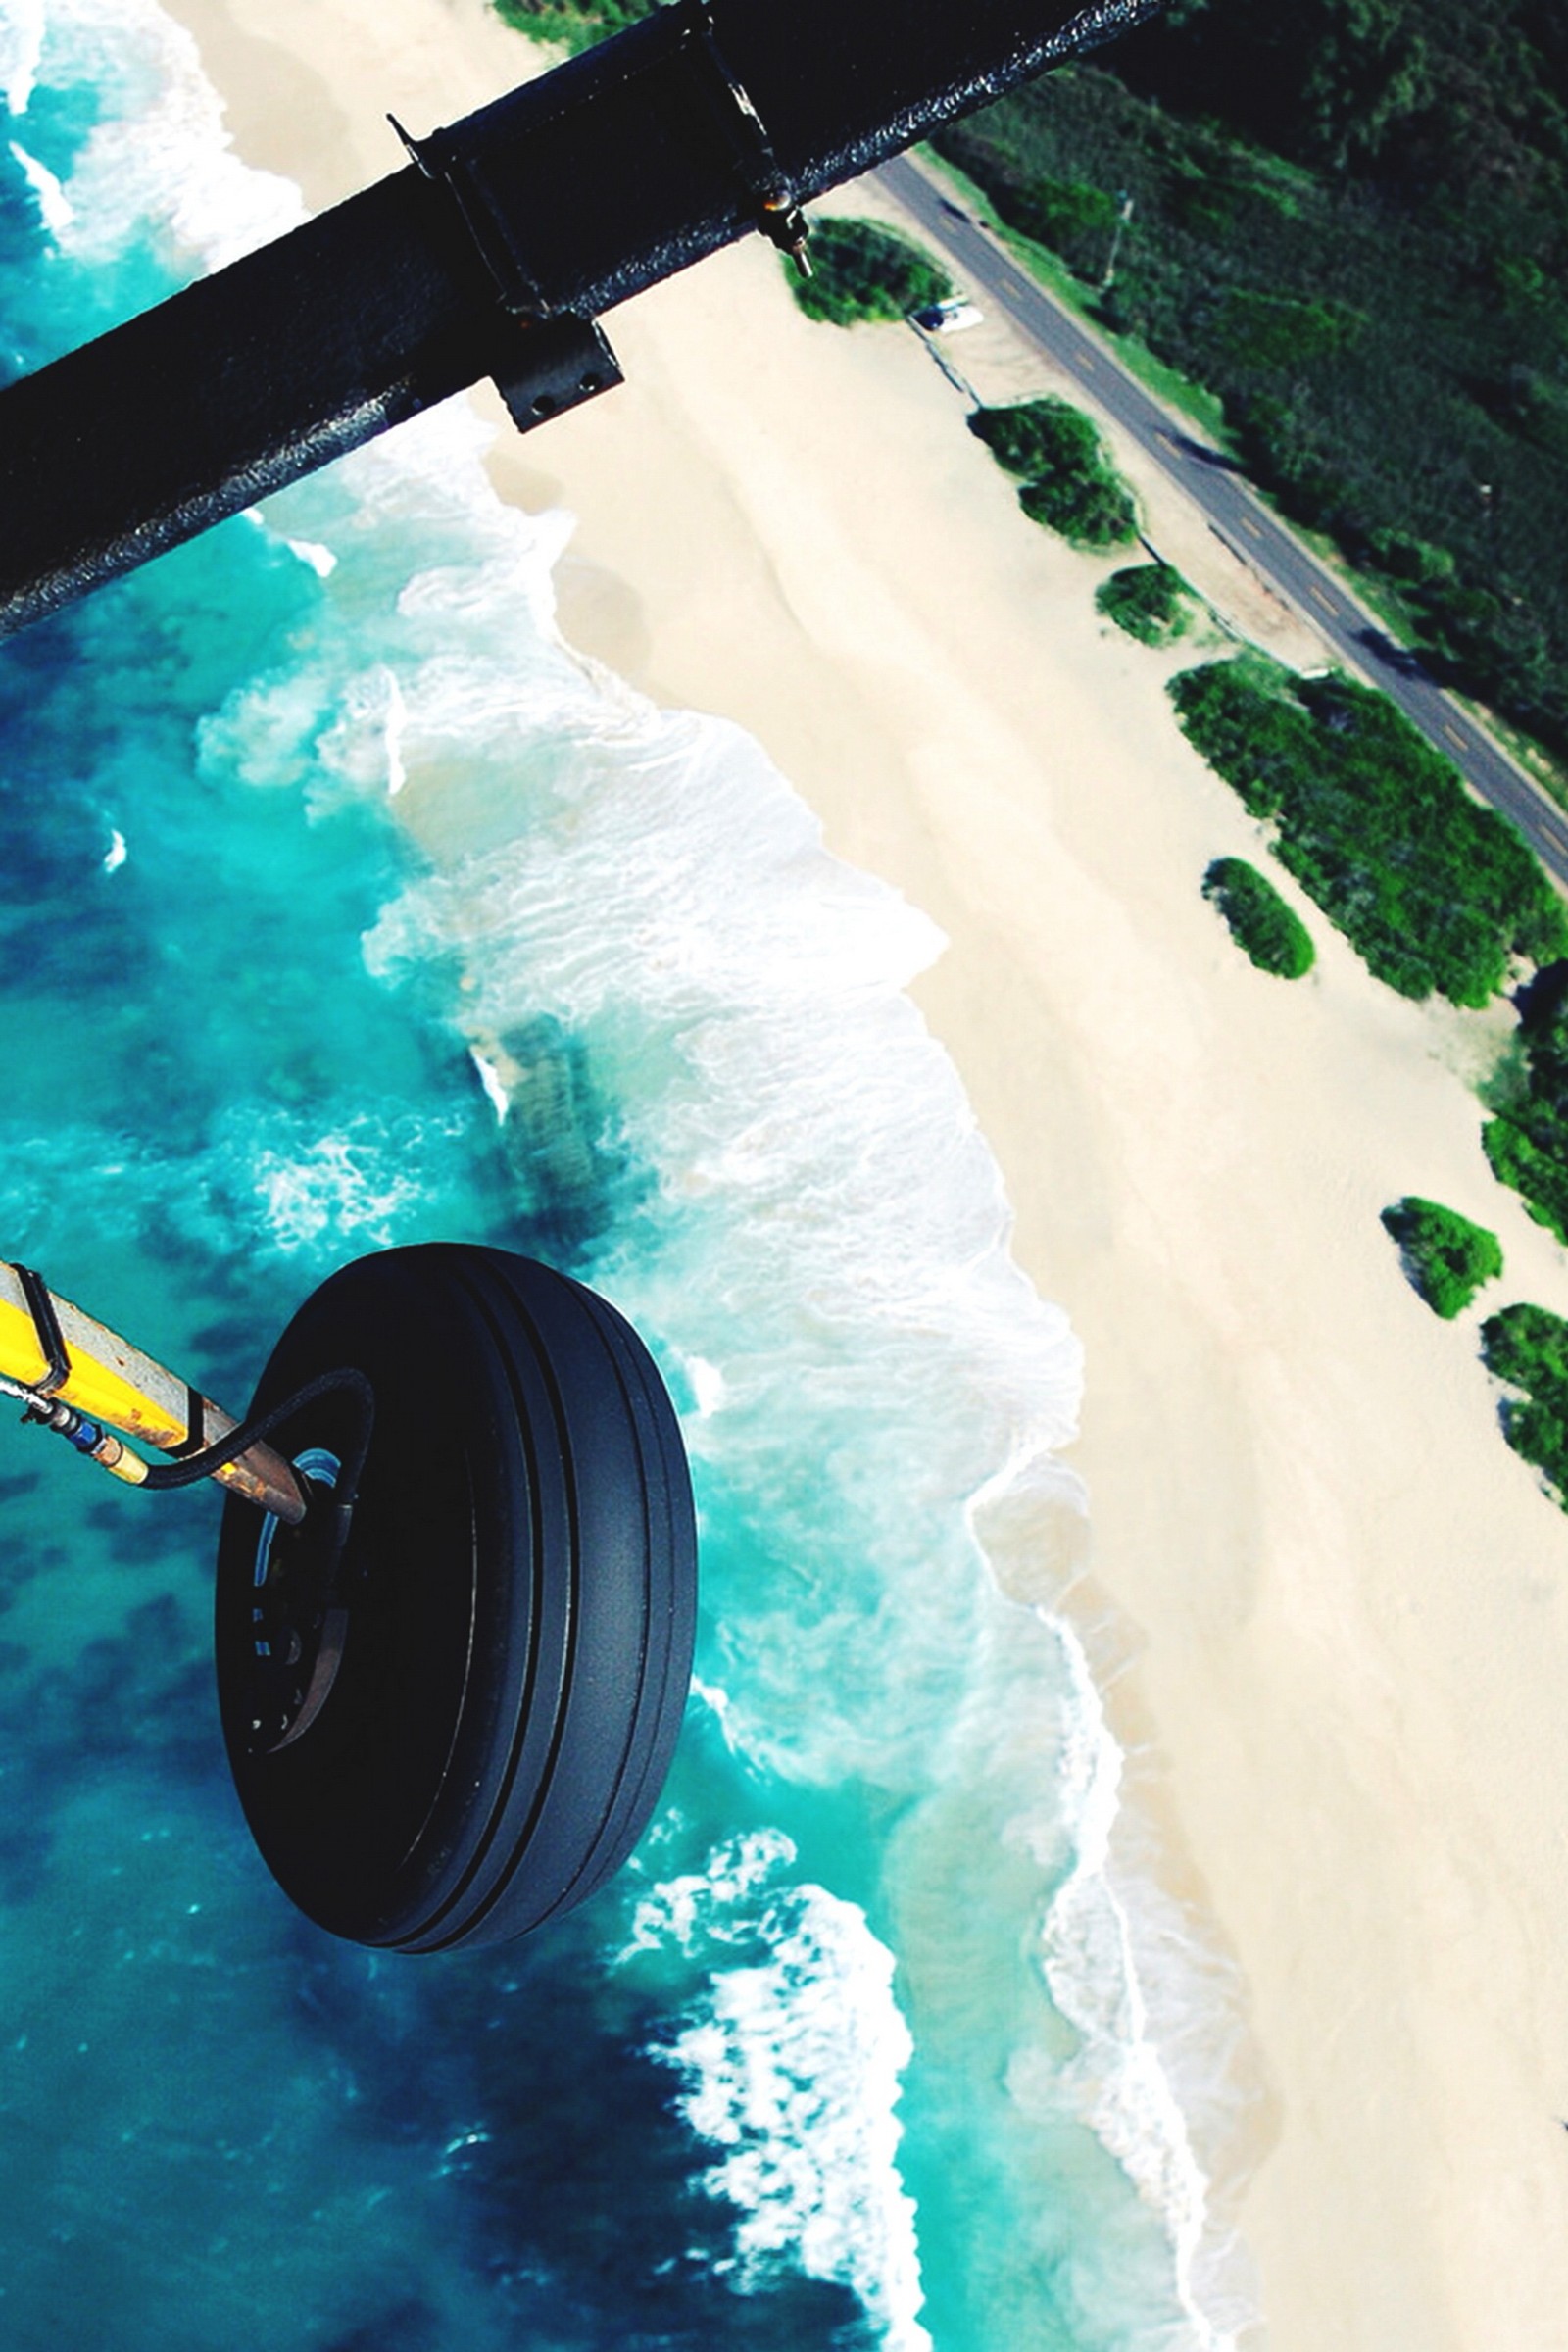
(62, 1363)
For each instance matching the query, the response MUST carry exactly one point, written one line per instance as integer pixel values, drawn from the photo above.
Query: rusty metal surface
(115, 1383)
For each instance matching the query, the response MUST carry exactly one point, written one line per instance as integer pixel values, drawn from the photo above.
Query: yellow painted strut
(102, 1377)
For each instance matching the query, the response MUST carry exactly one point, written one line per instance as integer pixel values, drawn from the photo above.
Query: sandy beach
(1331, 1608)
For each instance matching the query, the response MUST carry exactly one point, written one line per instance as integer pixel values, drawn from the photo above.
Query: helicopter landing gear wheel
(460, 1728)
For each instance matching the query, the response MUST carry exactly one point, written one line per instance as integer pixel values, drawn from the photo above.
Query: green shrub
(1035, 437)
(860, 270)
(1413, 561)
(1527, 1144)
(576, 23)
(1537, 1171)
(1069, 483)
(1260, 923)
(1528, 1347)
(1446, 1259)
(1432, 891)
(1095, 510)
(1073, 220)
(1270, 331)
(1150, 601)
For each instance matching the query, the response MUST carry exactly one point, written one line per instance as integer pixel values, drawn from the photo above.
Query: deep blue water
(317, 851)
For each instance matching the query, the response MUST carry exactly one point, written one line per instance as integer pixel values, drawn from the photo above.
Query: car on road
(949, 317)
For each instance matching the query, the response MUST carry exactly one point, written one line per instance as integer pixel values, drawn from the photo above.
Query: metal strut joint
(496, 256)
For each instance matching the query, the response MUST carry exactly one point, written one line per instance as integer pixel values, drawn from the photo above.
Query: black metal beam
(488, 256)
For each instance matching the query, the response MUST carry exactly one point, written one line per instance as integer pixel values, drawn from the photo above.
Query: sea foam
(22, 31)
(791, 2067)
(174, 178)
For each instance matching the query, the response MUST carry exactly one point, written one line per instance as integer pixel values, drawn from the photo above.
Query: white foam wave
(263, 1181)
(321, 559)
(715, 1905)
(158, 160)
(1120, 2076)
(707, 1386)
(364, 742)
(21, 29)
(491, 1080)
(792, 2067)
(55, 207)
(339, 1185)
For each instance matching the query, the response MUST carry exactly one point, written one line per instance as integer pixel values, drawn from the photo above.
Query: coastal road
(1234, 512)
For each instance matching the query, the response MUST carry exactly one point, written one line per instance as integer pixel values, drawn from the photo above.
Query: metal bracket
(686, 26)
(46, 1325)
(780, 218)
(550, 364)
(437, 157)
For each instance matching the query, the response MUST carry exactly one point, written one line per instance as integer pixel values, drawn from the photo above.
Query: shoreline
(1319, 1615)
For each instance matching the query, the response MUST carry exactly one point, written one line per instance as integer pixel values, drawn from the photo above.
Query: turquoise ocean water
(876, 2043)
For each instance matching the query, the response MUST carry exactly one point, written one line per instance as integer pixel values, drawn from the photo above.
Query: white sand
(1333, 1607)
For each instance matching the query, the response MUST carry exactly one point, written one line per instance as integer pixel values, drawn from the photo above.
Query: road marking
(1327, 601)
(1461, 742)
(1081, 358)
(1173, 446)
(1248, 524)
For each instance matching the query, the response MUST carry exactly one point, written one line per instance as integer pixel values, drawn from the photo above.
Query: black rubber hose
(250, 1433)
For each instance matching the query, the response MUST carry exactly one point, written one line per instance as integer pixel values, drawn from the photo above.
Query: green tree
(1260, 923)
(863, 272)
(1528, 1347)
(576, 23)
(1068, 482)
(1152, 602)
(1435, 893)
(1527, 1142)
(1445, 1257)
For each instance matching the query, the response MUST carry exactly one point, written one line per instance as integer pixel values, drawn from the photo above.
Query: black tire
(519, 1596)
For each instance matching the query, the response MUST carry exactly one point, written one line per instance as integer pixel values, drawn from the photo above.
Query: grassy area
(860, 270)
(1446, 1259)
(1271, 933)
(1528, 1347)
(1435, 893)
(1152, 602)
(1067, 482)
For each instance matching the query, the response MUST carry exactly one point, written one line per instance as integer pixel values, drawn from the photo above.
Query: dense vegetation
(1069, 483)
(1527, 1142)
(1445, 1257)
(578, 23)
(1350, 221)
(1433, 892)
(1150, 601)
(1271, 933)
(863, 270)
(1528, 1347)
